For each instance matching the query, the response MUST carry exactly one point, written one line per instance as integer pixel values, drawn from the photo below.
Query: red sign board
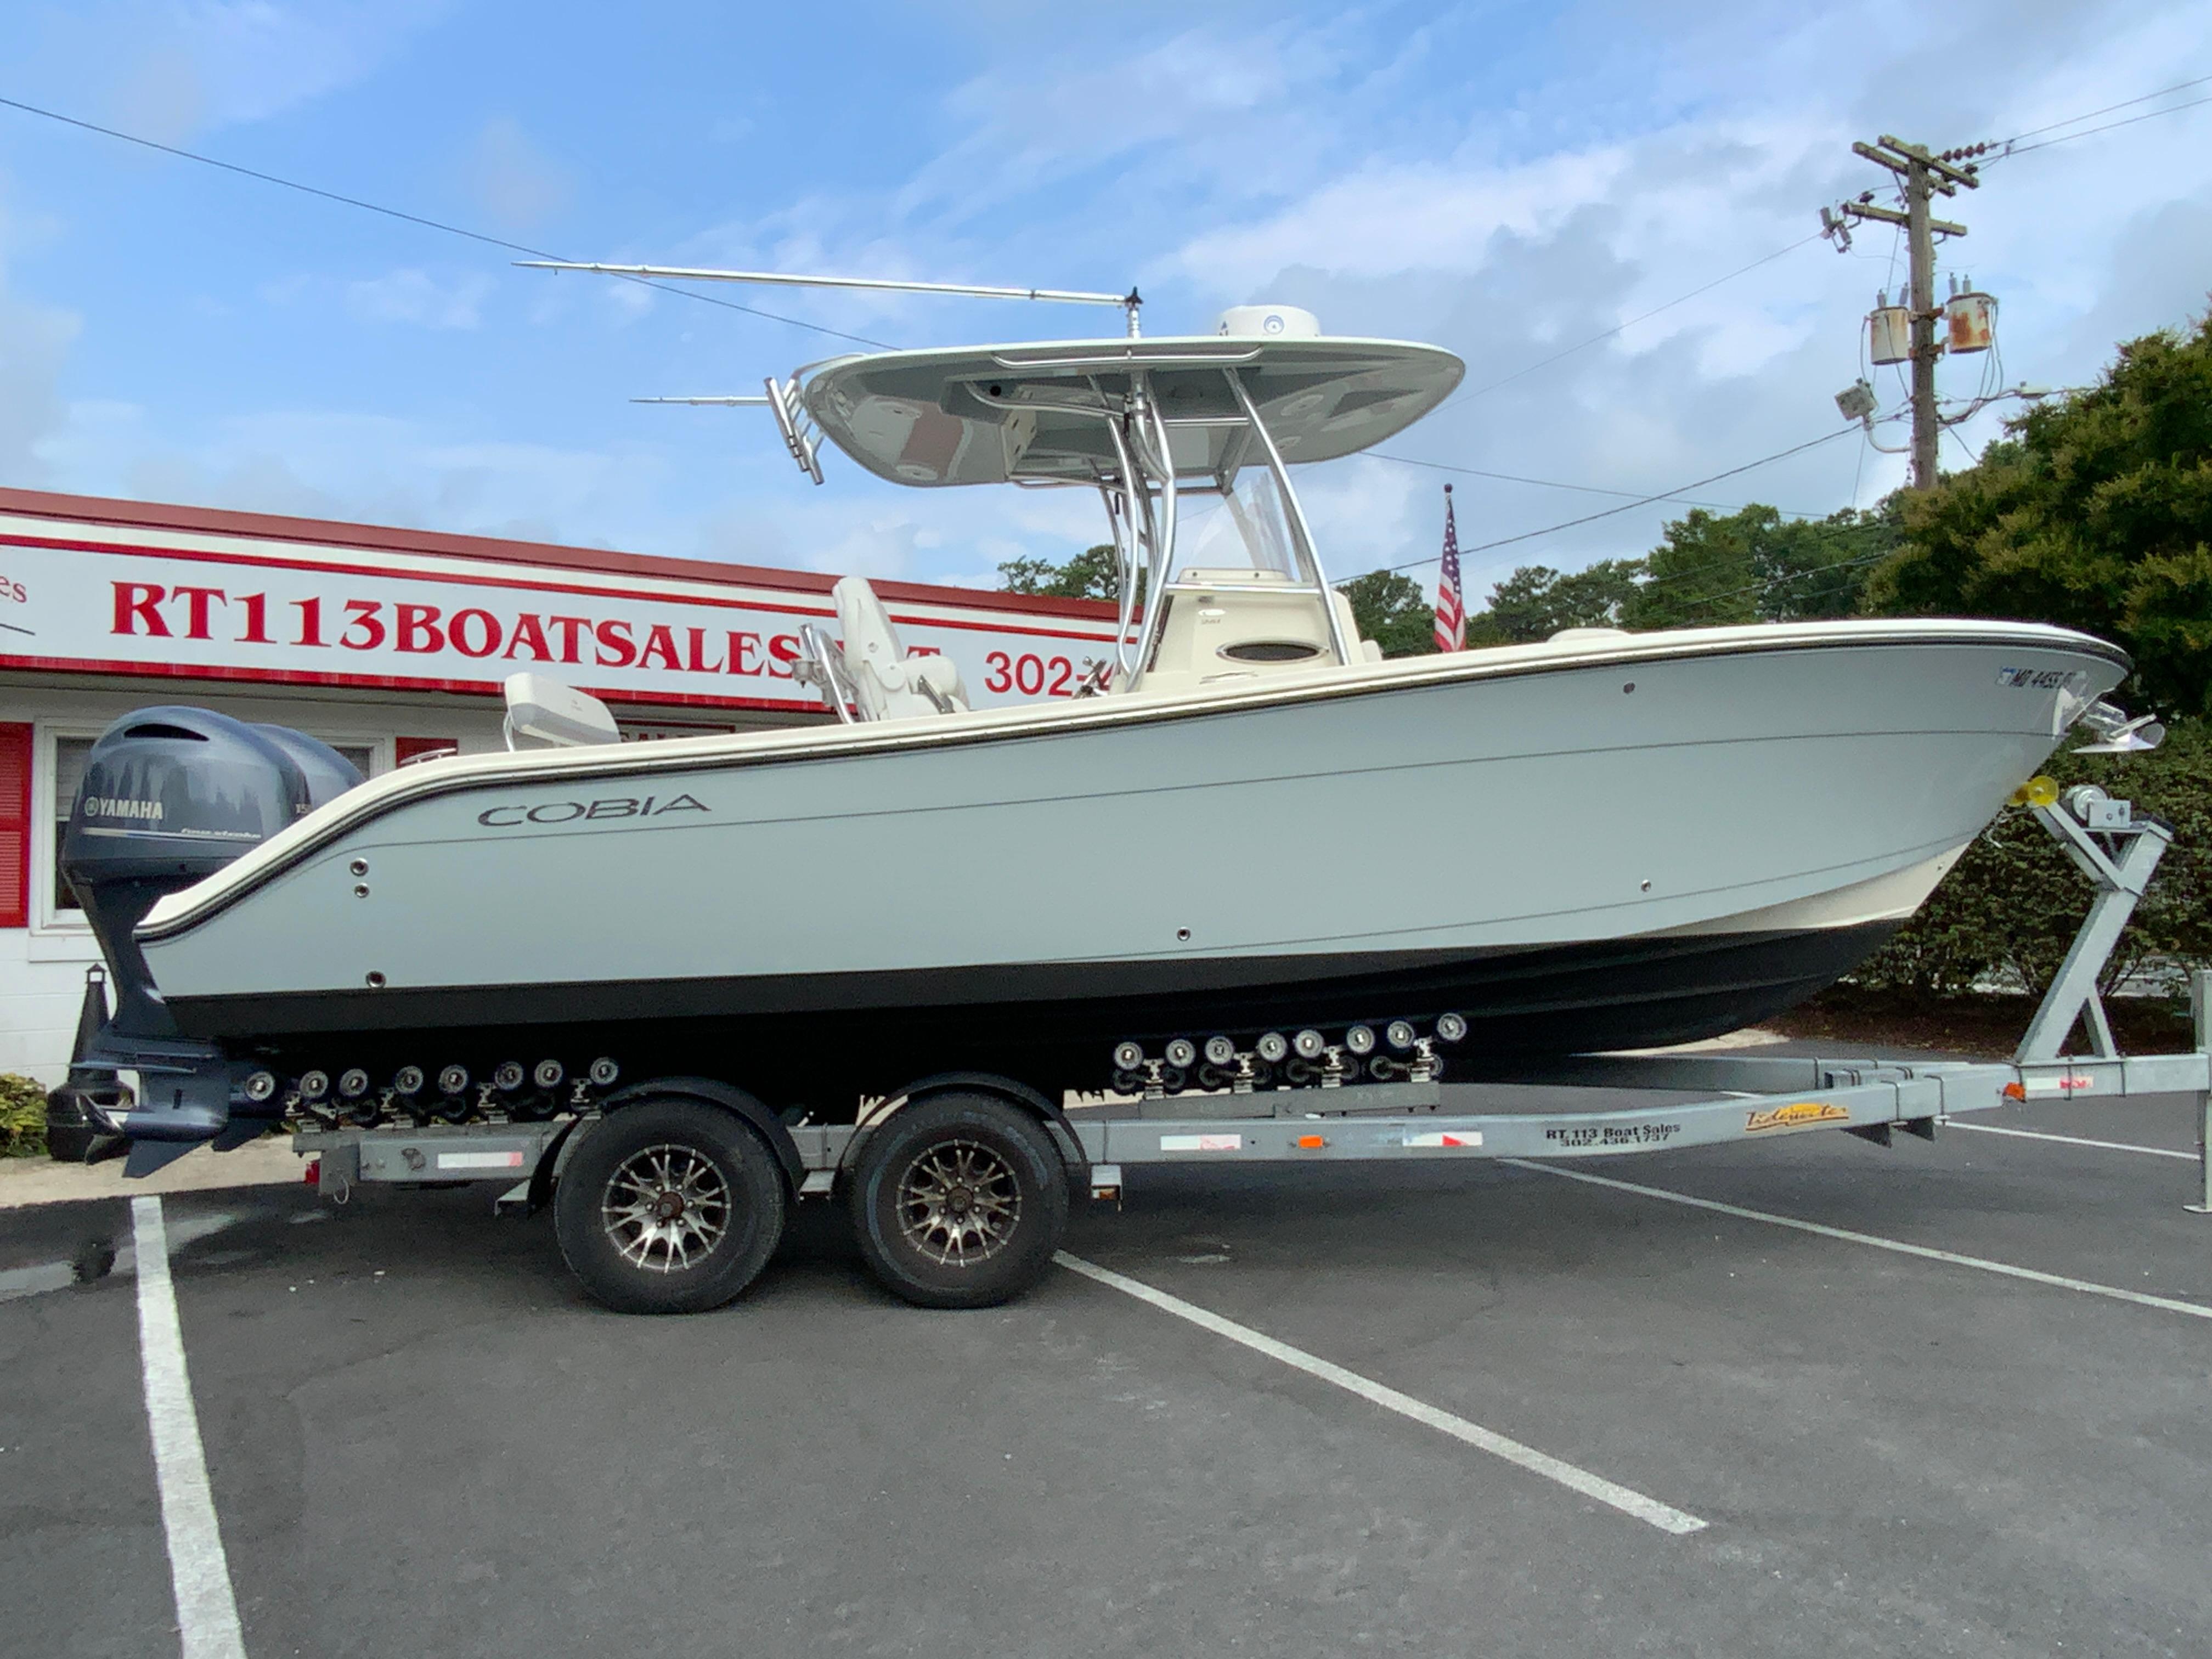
(128, 599)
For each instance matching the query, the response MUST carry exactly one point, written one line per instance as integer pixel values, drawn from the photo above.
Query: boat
(1243, 846)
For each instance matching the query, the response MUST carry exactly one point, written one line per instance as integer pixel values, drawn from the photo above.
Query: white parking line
(1648, 1511)
(207, 1612)
(2167, 1304)
(2071, 1140)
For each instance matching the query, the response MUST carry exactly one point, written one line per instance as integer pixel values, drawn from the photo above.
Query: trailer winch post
(2120, 882)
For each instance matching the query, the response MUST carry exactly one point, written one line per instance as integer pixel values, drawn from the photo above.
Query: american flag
(1451, 613)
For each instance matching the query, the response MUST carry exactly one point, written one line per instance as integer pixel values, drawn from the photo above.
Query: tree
(1393, 611)
(1814, 569)
(1754, 565)
(2095, 512)
(1702, 573)
(1536, 601)
(1091, 574)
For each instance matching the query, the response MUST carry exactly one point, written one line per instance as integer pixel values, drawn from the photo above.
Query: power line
(1819, 531)
(1555, 483)
(412, 218)
(1630, 507)
(1710, 600)
(2090, 115)
(1594, 339)
(1822, 532)
(2087, 132)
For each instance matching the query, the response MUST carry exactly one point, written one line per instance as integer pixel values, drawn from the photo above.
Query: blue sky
(1504, 180)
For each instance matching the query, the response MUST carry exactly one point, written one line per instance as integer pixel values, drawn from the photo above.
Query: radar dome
(1269, 322)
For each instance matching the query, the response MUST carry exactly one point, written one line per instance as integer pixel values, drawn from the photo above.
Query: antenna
(1130, 302)
(800, 436)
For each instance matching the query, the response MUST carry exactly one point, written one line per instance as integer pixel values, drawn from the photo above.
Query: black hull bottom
(825, 1040)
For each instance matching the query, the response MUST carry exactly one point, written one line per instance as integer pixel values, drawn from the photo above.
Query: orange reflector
(1312, 1141)
(2014, 1091)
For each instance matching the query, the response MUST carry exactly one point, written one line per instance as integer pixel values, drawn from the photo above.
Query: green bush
(22, 1117)
(2009, 908)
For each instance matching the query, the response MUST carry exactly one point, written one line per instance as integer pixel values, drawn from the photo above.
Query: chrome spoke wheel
(665, 1207)
(958, 1202)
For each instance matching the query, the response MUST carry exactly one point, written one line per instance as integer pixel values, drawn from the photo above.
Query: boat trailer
(1733, 1097)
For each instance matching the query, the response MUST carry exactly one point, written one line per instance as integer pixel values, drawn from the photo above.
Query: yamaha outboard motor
(170, 795)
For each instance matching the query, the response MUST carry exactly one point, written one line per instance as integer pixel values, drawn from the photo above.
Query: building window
(69, 757)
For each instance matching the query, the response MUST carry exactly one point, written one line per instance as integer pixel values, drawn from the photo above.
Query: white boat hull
(1628, 842)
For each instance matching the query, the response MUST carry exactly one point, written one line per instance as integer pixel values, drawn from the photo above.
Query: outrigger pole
(1130, 302)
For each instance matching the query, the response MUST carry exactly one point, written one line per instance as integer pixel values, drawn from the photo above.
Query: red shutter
(15, 824)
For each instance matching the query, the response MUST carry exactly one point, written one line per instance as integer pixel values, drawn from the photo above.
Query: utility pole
(1920, 175)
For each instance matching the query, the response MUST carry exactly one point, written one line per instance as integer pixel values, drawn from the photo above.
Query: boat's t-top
(1188, 440)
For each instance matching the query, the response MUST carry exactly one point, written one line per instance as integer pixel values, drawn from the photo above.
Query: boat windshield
(1249, 527)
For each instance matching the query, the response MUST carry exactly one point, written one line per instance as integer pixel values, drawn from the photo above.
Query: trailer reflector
(1313, 1143)
(480, 1160)
(1464, 1138)
(1201, 1143)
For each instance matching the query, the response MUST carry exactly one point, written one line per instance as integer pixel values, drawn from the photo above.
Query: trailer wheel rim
(959, 1203)
(665, 1208)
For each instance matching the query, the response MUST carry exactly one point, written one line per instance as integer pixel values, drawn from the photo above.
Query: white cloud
(34, 344)
(413, 295)
(379, 469)
(162, 95)
(1504, 183)
(512, 179)
(204, 64)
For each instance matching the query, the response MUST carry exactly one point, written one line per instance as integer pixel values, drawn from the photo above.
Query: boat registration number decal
(1797, 1115)
(2033, 679)
(1201, 1143)
(1613, 1134)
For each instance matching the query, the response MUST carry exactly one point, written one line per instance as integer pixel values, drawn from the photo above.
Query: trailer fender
(712, 1092)
(1014, 1093)
(548, 1168)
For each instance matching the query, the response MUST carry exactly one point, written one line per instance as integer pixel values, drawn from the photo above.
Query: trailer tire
(669, 1206)
(959, 1201)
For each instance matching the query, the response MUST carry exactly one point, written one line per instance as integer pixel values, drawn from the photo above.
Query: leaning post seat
(887, 683)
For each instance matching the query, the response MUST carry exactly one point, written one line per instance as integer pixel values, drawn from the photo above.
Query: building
(390, 644)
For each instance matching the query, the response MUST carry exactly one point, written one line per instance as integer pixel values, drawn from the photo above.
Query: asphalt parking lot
(420, 1439)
